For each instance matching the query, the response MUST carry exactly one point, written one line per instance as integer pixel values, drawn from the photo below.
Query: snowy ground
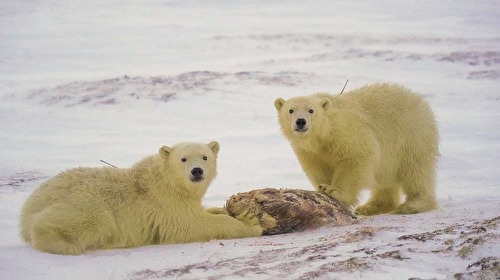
(82, 81)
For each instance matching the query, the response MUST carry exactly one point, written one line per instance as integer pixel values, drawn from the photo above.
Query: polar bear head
(301, 116)
(193, 165)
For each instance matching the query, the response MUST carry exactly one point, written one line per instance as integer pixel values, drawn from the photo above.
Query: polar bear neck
(309, 143)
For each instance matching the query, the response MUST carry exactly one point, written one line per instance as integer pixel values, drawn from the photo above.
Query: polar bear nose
(197, 172)
(300, 123)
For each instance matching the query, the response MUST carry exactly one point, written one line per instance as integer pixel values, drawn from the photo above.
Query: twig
(346, 81)
(103, 161)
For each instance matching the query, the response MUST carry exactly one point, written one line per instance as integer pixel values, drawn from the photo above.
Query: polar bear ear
(278, 103)
(326, 103)
(214, 146)
(165, 152)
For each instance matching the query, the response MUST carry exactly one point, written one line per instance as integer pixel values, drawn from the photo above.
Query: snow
(82, 81)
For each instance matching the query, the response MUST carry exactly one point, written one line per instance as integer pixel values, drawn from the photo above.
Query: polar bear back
(396, 114)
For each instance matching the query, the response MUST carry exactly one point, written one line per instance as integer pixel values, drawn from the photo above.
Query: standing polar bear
(382, 137)
(158, 200)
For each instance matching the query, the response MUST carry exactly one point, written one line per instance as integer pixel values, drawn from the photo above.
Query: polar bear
(156, 201)
(382, 137)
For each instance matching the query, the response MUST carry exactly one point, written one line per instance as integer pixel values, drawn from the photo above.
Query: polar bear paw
(370, 209)
(217, 211)
(251, 220)
(331, 191)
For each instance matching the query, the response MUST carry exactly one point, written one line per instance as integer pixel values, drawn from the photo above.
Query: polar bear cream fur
(382, 137)
(156, 201)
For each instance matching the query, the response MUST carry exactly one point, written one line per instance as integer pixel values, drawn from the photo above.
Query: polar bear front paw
(330, 191)
(217, 211)
(370, 209)
(252, 221)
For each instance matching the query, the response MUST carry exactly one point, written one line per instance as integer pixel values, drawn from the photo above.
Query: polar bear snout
(301, 125)
(197, 174)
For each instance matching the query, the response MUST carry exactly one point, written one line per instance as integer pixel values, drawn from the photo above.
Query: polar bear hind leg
(418, 184)
(65, 229)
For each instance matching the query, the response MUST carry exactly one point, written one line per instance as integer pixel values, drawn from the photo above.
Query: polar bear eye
(290, 111)
(311, 111)
(184, 159)
(205, 158)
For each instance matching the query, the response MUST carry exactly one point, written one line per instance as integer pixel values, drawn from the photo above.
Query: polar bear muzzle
(197, 174)
(301, 125)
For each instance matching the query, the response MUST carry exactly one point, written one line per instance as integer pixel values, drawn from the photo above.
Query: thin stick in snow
(103, 161)
(345, 84)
